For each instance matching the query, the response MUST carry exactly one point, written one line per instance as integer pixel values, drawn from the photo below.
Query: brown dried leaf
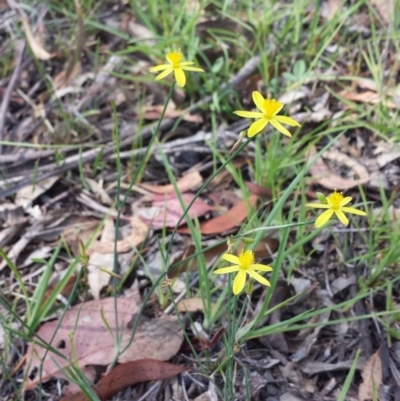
(92, 342)
(191, 305)
(128, 374)
(26, 195)
(229, 220)
(34, 43)
(367, 97)
(186, 183)
(385, 9)
(372, 378)
(154, 113)
(137, 235)
(166, 209)
(327, 179)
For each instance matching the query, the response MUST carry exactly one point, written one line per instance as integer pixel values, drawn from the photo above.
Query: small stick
(20, 50)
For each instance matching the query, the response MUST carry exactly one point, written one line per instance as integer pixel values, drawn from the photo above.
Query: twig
(127, 135)
(20, 50)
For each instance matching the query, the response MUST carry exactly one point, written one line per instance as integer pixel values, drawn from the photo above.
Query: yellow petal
(257, 127)
(159, 67)
(239, 282)
(258, 278)
(354, 211)
(180, 77)
(248, 114)
(272, 107)
(258, 100)
(163, 74)
(280, 127)
(231, 258)
(323, 218)
(345, 201)
(225, 270)
(287, 121)
(261, 268)
(342, 217)
(318, 205)
(185, 63)
(191, 68)
(174, 58)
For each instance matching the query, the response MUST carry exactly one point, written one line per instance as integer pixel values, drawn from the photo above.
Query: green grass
(298, 48)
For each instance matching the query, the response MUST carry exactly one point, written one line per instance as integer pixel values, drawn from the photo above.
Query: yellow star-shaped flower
(243, 265)
(269, 108)
(176, 66)
(335, 205)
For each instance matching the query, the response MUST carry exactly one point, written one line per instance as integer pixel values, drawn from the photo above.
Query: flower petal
(257, 127)
(239, 282)
(180, 77)
(248, 114)
(231, 258)
(163, 74)
(318, 205)
(159, 67)
(191, 68)
(258, 100)
(323, 218)
(354, 211)
(261, 268)
(258, 277)
(342, 217)
(225, 270)
(287, 121)
(345, 201)
(280, 127)
(185, 63)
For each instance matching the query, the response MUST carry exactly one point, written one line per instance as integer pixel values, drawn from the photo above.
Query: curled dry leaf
(93, 344)
(98, 279)
(186, 183)
(128, 374)
(166, 210)
(34, 43)
(372, 378)
(324, 176)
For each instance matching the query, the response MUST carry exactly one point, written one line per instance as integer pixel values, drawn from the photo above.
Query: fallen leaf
(98, 279)
(154, 113)
(138, 234)
(128, 374)
(158, 338)
(191, 305)
(26, 195)
(166, 209)
(323, 175)
(372, 378)
(229, 220)
(385, 9)
(367, 97)
(34, 43)
(186, 183)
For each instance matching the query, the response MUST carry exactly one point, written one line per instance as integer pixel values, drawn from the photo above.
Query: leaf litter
(323, 355)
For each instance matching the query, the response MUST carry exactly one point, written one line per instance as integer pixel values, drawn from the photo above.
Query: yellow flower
(269, 108)
(177, 66)
(243, 264)
(335, 204)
